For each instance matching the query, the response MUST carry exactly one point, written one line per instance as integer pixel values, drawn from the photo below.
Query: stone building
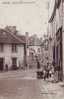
(56, 29)
(12, 49)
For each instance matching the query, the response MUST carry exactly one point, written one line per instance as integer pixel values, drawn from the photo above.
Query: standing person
(19, 65)
(6, 66)
(38, 67)
(56, 73)
(44, 74)
(38, 63)
(47, 70)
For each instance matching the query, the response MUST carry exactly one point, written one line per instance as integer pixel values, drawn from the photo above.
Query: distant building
(44, 52)
(12, 49)
(33, 50)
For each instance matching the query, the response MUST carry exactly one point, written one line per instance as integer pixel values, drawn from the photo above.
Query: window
(14, 48)
(1, 47)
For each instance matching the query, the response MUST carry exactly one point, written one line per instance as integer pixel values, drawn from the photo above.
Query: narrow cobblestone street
(25, 85)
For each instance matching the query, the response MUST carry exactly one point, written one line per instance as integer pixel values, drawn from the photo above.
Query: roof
(53, 13)
(10, 38)
(22, 37)
(57, 4)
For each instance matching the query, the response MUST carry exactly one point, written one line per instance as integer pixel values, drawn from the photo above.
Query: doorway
(1, 64)
(14, 63)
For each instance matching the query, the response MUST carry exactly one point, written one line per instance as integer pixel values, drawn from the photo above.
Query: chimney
(11, 29)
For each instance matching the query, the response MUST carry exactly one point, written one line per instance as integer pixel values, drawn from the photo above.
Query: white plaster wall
(8, 55)
(20, 55)
(57, 19)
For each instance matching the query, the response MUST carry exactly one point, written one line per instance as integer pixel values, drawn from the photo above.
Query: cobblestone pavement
(25, 85)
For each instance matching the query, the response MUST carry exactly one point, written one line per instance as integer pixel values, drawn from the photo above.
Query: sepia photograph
(31, 49)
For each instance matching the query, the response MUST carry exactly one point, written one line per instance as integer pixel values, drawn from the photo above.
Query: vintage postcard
(31, 49)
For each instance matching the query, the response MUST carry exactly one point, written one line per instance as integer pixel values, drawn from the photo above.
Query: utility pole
(27, 48)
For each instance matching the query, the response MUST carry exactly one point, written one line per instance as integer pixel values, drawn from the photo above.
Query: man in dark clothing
(38, 63)
(38, 67)
(6, 67)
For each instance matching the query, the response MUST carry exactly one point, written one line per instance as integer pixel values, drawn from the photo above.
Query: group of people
(48, 72)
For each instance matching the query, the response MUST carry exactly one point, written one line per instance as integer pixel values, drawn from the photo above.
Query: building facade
(57, 37)
(44, 51)
(33, 49)
(12, 50)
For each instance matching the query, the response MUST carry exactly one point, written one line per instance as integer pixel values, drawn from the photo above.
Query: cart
(39, 73)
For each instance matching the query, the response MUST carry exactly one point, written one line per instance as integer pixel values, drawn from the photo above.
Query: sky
(27, 15)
